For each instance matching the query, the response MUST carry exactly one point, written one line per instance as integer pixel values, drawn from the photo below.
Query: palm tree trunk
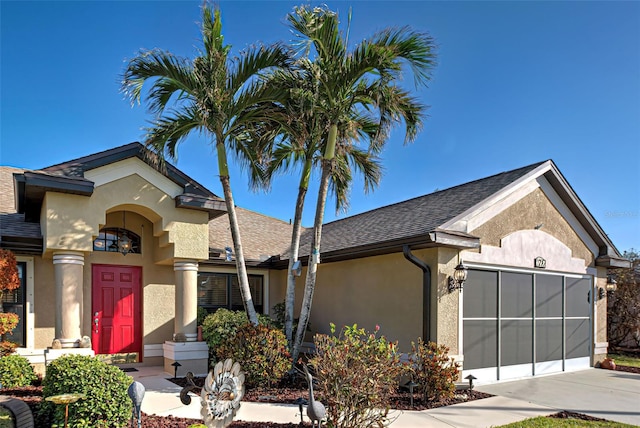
(312, 268)
(243, 279)
(293, 256)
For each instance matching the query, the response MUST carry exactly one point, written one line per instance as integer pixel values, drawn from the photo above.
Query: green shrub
(261, 351)
(107, 403)
(15, 370)
(357, 372)
(430, 367)
(202, 314)
(278, 318)
(223, 324)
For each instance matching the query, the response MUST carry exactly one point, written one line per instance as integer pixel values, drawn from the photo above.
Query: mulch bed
(291, 390)
(572, 415)
(627, 369)
(287, 393)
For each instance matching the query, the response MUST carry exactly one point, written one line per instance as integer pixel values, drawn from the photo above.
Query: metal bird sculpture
(220, 398)
(315, 409)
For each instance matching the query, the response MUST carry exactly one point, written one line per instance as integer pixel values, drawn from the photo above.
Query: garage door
(518, 324)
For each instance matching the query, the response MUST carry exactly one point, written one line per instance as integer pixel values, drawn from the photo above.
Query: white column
(186, 298)
(68, 268)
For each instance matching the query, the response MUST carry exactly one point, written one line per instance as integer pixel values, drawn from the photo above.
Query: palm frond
(255, 60)
(417, 49)
(173, 75)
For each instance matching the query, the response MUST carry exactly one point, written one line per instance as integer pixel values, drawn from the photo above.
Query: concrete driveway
(611, 395)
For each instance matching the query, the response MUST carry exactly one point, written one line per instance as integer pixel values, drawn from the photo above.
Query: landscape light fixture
(411, 385)
(456, 282)
(471, 378)
(175, 365)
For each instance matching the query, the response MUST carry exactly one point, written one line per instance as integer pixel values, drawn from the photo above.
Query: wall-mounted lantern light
(611, 283)
(456, 282)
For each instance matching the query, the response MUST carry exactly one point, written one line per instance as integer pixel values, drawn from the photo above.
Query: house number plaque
(539, 262)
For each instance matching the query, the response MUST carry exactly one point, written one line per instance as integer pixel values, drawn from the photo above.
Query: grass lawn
(624, 360)
(542, 421)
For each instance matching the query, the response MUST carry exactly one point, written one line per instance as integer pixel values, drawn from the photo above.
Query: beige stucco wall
(448, 308)
(601, 308)
(71, 222)
(382, 290)
(44, 298)
(278, 286)
(530, 211)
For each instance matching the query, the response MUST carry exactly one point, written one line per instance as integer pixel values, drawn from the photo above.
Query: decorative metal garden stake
(184, 393)
(136, 393)
(411, 384)
(221, 394)
(175, 365)
(65, 399)
(471, 378)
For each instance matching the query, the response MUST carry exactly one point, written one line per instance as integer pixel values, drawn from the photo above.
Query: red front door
(116, 307)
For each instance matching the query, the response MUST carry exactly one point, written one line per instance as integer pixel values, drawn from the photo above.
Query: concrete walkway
(606, 394)
(514, 401)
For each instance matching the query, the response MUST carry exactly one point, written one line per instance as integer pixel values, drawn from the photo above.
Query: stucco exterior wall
(71, 222)
(448, 308)
(532, 210)
(278, 287)
(600, 319)
(43, 303)
(382, 290)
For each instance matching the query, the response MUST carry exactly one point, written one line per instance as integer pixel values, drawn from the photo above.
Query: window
(117, 240)
(221, 290)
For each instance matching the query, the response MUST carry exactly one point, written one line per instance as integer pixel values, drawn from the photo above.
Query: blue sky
(516, 83)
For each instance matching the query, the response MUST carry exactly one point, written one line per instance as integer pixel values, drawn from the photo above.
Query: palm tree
(213, 94)
(361, 82)
(303, 130)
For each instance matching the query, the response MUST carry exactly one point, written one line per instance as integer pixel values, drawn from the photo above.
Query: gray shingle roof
(262, 236)
(7, 196)
(412, 218)
(265, 236)
(15, 232)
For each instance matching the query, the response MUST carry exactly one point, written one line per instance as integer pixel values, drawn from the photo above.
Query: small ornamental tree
(9, 280)
(623, 309)
(357, 372)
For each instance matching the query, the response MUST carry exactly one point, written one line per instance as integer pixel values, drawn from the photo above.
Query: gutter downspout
(426, 292)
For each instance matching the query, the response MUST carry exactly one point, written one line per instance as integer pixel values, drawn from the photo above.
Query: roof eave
(215, 207)
(436, 238)
(22, 245)
(613, 262)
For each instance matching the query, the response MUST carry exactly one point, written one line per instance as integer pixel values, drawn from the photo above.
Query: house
(117, 250)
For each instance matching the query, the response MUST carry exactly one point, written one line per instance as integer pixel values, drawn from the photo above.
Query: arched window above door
(117, 240)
